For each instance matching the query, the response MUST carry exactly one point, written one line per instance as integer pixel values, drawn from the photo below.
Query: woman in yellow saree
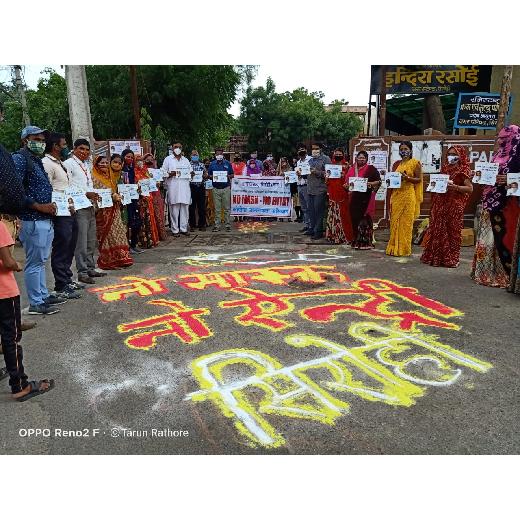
(405, 202)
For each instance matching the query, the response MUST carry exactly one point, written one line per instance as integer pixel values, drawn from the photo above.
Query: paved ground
(447, 385)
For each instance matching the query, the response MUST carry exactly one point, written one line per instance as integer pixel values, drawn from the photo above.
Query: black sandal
(35, 389)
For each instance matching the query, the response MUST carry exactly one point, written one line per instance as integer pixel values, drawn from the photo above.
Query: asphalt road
(112, 399)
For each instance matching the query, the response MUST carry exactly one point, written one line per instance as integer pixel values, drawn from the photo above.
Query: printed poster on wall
(379, 160)
(513, 184)
(266, 197)
(120, 146)
(428, 152)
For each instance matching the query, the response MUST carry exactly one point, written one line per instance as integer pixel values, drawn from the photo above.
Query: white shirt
(302, 181)
(58, 175)
(177, 190)
(80, 174)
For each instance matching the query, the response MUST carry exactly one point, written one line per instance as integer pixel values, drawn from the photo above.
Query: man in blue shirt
(37, 226)
(221, 190)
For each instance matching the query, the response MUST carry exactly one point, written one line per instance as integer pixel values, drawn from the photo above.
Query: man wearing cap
(37, 226)
(221, 190)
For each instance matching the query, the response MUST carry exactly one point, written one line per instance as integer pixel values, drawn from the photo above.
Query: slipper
(35, 389)
(3, 373)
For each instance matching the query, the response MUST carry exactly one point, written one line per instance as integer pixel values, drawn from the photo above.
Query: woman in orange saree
(157, 200)
(149, 233)
(110, 230)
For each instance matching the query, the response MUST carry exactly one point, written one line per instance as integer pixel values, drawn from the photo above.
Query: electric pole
(79, 107)
(21, 93)
(504, 99)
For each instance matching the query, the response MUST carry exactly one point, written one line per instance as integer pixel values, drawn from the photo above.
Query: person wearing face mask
(303, 196)
(210, 204)
(405, 202)
(178, 193)
(221, 190)
(442, 241)
(80, 173)
(198, 193)
(37, 230)
(148, 232)
(269, 166)
(339, 226)
(66, 227)
(317, 191)
(254, 157)
(157, 199)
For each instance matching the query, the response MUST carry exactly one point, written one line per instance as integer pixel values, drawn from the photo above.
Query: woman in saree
(443, 240)
(110, 230)
(148, 234)
(157, 200)
(133, 216)
(339, 226)
(405, 202)
(282, 167)
(492, 261)
(362, 205)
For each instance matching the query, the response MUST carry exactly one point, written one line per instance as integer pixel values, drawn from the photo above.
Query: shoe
(96, 274)
(75, 286)
(185, 233)
(43, 309)
(27, 325)
(228, 228)
(216, 229)
(85, 278)
(302, 230)
(54, 300)
(136, 250)
(202, 228)
(316, 237)
(68, 293)
(176, 235)
(309, 233)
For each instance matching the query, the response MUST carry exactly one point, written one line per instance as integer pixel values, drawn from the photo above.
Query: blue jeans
(36, 237)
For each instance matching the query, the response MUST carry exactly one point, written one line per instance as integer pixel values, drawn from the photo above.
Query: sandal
(35, 389)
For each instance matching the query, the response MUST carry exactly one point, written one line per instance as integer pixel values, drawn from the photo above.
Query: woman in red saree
(339, 226)
(149, 233)
(110, 230)
(362, 205)
(443, 238)
(157, 200)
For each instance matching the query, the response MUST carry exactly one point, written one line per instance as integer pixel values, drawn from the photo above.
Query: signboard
(120, 146)
(431, 79)
(478, 110)
(265, 197)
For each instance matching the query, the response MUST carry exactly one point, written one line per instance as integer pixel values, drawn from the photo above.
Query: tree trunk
(434, 115)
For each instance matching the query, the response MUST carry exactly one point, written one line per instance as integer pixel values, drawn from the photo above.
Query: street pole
(504, 100)
(382, 103)
(79, 107)
(135, 101)
(21, 94)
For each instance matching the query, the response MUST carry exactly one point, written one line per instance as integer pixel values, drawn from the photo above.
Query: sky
(354, 88)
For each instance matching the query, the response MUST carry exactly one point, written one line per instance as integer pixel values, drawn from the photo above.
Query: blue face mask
(195, 158)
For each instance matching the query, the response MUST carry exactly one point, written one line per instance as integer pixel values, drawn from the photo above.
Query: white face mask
(219, 157)
(269, 157)
(315, 153)
(452, 159)
(177, 151)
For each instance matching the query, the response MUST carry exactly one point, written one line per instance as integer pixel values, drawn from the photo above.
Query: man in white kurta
(178, 193)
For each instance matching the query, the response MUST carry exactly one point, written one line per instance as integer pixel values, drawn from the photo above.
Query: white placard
(119, 146)
(153, 185)
(145, 187)
(79, 198)
(184, 172)
(106, 198)
(334, 171)
(290, 177)
(513, 184)
(438, 183)
(62, 204)
(198, 176)
(123, 190)
(393, 180)
(358, 184)
(132, 190)
(157, 174)
(381, 193)
(208, 184)
(304, 170)
(220, 176)
(485, 173)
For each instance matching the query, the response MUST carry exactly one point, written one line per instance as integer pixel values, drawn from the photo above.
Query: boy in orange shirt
(10, 326)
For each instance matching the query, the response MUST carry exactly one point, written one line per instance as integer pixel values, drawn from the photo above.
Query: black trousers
(198, 205)
(11, 334)
(63, 247)
(316, 206)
